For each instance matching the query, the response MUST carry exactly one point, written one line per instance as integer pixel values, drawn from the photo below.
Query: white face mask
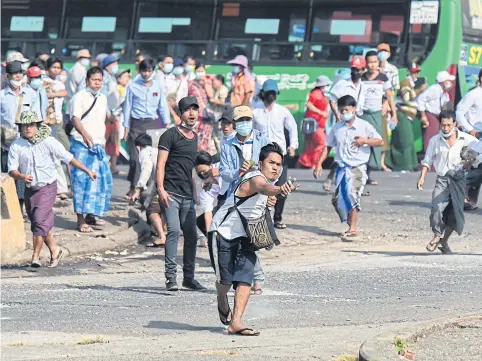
(15, 83)
(447, 85)
(200, 74)
(447, 135)
(189, 127)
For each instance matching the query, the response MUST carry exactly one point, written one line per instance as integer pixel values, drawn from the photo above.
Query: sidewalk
(123, 228)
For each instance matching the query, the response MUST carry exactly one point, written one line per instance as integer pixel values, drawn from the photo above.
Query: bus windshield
(472, 21)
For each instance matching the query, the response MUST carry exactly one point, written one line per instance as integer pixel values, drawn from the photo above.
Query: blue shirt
(41, 102)
(9, 104)
(143, 102)
(230, 162)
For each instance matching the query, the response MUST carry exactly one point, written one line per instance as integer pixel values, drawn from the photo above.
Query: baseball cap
(444, 76)
(227, 115)
(270, 85)
(186, 102)
(241, 112)
(109, 59)
(122, 72)
(322, 80)
(16, 56)
(34, 72)
(178, 62)
(414, 68)
(358, 62)
(14, 67)
(383, 47)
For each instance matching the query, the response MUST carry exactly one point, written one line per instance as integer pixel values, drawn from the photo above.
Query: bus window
(261, 31)
(32, 19)
(472, 21)
(169, 21)
(339, 32)
(106, 21)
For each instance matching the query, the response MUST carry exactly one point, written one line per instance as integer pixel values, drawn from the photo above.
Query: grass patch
(17, 344)
(90, 341)
(345, 357)
(400, 344)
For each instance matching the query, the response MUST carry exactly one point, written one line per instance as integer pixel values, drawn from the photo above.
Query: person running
(317, 114)
(353, 138)
(175, 164)
(443, 153)
(32, 159)
(89, 110)
(232, 256)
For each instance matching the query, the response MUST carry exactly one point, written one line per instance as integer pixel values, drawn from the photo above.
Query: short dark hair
(143, 140)
(346, 101)
(270, 148)
(187, 57)
(371, 53)
(203, 158)
(94, 70)
(220, 78)
(163, 57)
(40, 63)
(51, 62)
(446, 114)
(200, 65)
(147, 64)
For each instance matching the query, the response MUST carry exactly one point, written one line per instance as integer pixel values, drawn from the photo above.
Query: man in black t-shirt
(175, 163)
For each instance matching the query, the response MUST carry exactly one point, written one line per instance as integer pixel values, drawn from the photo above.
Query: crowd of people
(61, 134)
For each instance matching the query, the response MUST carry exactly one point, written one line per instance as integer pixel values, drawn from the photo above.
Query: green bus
(290, 41)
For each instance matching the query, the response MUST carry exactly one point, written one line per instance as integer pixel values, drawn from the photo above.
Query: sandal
(372, 182)
(242, 332)
(92, 221)
(62, 196)
(154, 244)
(349, 234)
(225, 321)
(327, 186)
(279, 225)
(432, 246)
(54, 262)
(36, 264)
(84, 228)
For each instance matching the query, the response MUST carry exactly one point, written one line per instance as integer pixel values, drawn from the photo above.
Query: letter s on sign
(475, 54)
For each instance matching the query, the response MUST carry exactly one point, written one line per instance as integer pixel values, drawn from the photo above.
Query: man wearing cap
(353, 87)
(32, 160)
(145, 103)
(41, 101)
(469, 118)
(110, 65)
(315, 120)
(175, 163)
(272, 119)
(76, 77)
(388, 69)
(431, 102)
(11, 57)
(242, 82)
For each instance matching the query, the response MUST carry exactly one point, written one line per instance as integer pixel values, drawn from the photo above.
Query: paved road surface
(322, 298)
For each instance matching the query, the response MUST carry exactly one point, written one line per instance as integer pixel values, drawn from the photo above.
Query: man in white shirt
(469, 111)
(272, 119)
(443, 153)
(353, 138)
(431, 102)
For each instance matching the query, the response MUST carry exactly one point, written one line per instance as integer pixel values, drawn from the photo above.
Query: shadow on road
(410, 204)
(149, 290)
(404, 254)
(171, 325)
(312, 229)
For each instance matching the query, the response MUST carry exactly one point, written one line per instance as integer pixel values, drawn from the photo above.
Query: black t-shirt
(180, 162)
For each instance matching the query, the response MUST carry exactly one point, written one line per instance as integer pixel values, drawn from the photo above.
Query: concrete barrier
(13, 238)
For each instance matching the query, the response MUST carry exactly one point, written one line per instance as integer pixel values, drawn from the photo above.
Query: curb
(112, 237)
(370, 350)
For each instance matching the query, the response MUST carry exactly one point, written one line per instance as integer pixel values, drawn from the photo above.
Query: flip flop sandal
(63, 197)
(469, 207)
(280, 225)
(242, 332)
(36, 264)
(85, 228)
(153, 244)
(225, 322)
(350, 234)
(55, 262)
(431, 247)
(92, 221)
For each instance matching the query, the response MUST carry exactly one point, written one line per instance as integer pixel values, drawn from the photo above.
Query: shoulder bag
(70, 125)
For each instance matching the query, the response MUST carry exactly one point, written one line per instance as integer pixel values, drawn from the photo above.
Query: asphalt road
(323, 296)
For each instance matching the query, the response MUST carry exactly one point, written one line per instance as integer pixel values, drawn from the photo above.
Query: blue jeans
(180, 215)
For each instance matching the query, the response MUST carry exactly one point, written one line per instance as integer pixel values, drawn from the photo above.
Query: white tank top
(253, 207)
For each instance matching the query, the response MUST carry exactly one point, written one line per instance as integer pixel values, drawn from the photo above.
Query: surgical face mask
(189, 127)
(200, 74)
(383, 55)
(188, 69)
(447, 85)
(244, 128)
(146, 80)
(85, 62)
(178, 70)
(36, 83)
(346, 117)
(15, 83)
(115, 69)
(93, 92)
(447, 135)
(167, 68)
(236, 69)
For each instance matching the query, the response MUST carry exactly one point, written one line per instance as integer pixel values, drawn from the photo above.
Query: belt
(142, 119)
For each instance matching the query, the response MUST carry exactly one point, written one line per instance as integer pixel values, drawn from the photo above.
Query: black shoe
(171, 285)
(193, 284)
